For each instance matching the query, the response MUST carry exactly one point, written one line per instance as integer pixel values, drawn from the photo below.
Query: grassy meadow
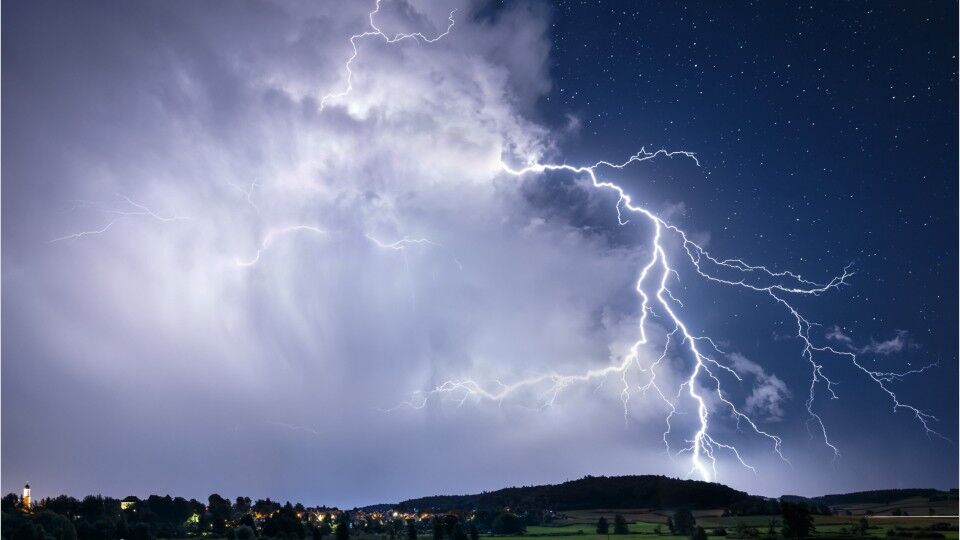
(581, 524)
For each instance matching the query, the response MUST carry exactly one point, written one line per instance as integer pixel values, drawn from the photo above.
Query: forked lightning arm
(119, 214)
(376, 31)
(272, 235)
(656, 274)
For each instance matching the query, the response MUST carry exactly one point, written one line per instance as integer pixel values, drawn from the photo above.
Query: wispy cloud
(900, 341)
(769, 391)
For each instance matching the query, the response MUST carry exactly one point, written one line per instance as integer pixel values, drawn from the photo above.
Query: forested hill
(645, 491)
(883, 496)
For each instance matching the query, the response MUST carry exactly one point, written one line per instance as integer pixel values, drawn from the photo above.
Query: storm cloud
(211, 284)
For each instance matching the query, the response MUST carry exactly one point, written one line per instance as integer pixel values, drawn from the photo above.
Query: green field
(643, 523)
(581, 525)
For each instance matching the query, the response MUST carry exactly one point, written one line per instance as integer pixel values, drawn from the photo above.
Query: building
(129, 502)
(25, 499)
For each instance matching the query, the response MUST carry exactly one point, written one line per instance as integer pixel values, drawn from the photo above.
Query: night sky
(206, 286)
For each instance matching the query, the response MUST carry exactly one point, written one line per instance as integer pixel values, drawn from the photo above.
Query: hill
(646, 491)
(882, 496)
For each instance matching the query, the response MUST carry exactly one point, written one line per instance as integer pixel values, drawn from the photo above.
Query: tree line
(96, 517)
(103, 518)
(797, 524)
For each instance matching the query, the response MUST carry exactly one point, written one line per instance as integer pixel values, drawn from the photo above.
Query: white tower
(25, 500)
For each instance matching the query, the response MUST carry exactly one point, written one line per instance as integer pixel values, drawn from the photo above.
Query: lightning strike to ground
(652, 287)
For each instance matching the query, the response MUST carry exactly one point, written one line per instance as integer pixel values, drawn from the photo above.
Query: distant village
(662, 507)
(106, 518)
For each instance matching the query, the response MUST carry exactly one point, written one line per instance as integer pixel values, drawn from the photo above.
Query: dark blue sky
(223, 263)
(827, 135)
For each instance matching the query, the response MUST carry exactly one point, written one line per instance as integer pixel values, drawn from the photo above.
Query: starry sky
(207, 286)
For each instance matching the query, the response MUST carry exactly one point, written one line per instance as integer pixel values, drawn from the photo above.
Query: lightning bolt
(403, 243)
(119, 214)
(272, 235)
(248, 194)
(81, 234)
(702, 379)
(375, 31)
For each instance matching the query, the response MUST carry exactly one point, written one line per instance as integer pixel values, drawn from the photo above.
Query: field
(647, 524)
(827, 526)
(643, 523)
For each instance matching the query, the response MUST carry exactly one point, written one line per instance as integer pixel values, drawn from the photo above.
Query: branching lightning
(272, 235)
(118, 215)
(377, 32)
(652, 287)
(779, 285)
(401, 244)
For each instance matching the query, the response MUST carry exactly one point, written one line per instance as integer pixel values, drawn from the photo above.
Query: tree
(437, 526)
(450, 522)
(772, 527)
(683, 522)
(474, 532)
(458, 532)
(245, 532)
(141, 531)
(29, 531)
(411, 530)
(657, 530)
(797, 521)
(742, 530)
(11, 503)
(93, 509)
(219, 509)
(507, 523)
(698, 533)
(265, 507)
(242, 505)
(248, 520)
(284, 524)
(602, 526)
(64, 505)
(862, 526)
(343, 527)
(56, 525)
(620, 525)
(397, 528)
(670, 526)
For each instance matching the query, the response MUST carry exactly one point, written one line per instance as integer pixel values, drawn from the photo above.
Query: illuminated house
(129, 502)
